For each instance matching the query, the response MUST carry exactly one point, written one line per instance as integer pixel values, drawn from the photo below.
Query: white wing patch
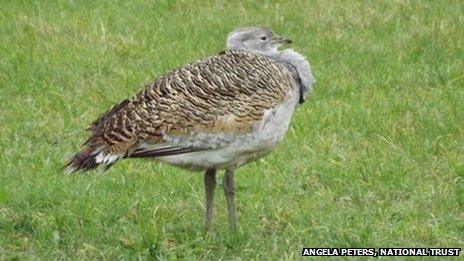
(107, 158)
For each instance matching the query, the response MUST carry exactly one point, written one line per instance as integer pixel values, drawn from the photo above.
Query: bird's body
(217, 113)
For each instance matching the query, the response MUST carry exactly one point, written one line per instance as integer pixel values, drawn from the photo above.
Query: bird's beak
(279, 40)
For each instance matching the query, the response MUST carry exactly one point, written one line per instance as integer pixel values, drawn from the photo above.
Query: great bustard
(217, 113)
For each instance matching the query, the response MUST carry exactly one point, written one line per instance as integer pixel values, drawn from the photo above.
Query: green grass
(375, 158)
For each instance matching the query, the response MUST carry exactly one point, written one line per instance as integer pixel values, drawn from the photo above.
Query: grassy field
(375, 158)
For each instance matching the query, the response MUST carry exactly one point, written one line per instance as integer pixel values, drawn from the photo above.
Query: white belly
(242, 148)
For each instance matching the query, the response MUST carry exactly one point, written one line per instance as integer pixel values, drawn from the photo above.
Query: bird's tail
(91, 158)
(98, 151)
(82, 161)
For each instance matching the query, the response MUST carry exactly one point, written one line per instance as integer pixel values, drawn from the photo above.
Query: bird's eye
(263, 38)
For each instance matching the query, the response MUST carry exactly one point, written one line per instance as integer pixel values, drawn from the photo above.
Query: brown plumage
(227, 93)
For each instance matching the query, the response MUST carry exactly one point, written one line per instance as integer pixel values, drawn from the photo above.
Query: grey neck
(299, 68)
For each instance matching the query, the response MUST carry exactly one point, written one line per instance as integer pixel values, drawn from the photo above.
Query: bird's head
(256, 39)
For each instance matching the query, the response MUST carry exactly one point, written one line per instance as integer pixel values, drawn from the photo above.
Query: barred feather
(226, 93)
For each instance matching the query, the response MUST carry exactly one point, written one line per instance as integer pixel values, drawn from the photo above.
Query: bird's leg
(210, 185)
(228, 184)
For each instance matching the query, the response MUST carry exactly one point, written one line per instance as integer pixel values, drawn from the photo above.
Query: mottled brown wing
(227, 93)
